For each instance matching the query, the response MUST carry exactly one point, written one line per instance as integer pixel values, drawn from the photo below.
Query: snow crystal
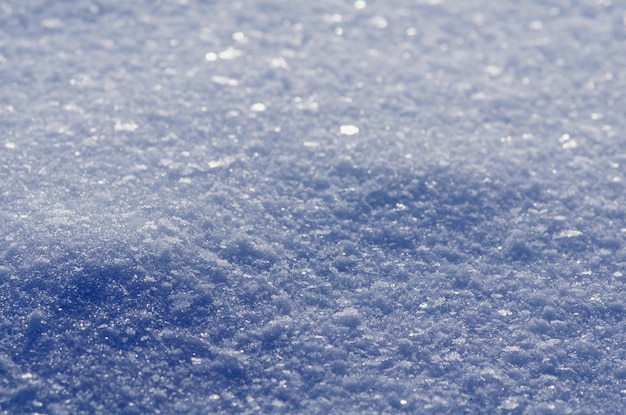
(279, 63)
(258, 107)
(223, 80)
(360, 4)
(349, 130)
(493, 70)
(240, 37)
(126, 126)
(379, 22)
(570, 233)
(332, 18)
(349, 317)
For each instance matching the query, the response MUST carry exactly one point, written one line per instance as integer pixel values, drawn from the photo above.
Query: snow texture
(312, 206)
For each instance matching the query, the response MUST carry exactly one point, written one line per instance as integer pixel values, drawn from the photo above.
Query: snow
(312, 207)
(349, 129)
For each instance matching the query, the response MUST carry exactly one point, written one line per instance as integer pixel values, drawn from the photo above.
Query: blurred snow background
(313, 207)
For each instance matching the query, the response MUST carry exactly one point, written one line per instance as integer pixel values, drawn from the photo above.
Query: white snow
(312, 207)
(349, 129)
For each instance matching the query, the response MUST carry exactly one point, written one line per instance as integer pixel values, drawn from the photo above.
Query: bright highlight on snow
(348, 129)
(258, 107)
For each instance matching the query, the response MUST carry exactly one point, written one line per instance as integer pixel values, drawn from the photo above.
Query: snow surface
(312, 207)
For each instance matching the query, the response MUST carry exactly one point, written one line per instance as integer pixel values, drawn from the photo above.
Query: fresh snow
(312, 207)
